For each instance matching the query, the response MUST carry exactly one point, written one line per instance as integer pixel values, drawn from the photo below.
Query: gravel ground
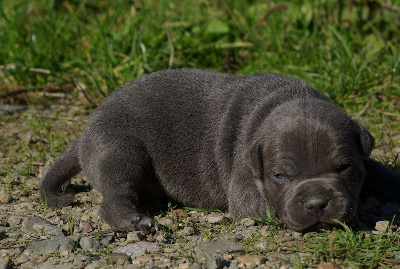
(32, 236)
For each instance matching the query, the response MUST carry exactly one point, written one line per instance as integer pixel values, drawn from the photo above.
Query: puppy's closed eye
(343, 168)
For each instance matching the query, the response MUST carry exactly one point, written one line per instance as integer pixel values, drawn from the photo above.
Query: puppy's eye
(280, 176)
(344, 168)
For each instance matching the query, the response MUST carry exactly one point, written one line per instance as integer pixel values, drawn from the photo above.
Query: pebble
(105, 241)
(139, 249)
(4, 262)
(135, 237)
(329, 266)
(186, 231)
(284, 239)
(88, 243)
(40, 225)
(210, 252)
(166, 222)
(247, 233)
(144, 259)
(5, 198)
(263, 246)
(86, 227)
(97, 264)
(214, 219)
(247, 222)
(49, 246)
(161, 239)
(118, 258)
(250, 260)
(184, 265)
(382, 226)
(3, 222)
(9, 109)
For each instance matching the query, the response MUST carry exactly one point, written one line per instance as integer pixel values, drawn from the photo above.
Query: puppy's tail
(63, 169)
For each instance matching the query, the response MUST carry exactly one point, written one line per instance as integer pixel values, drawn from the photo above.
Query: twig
(57, 118)
(45, 89)
(171, 47)
(8, 94)
(367, 105)
(79, 86)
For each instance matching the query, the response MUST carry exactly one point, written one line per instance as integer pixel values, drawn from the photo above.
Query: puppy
(212, 140)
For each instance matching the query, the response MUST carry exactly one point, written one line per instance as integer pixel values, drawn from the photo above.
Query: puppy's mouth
(320, 226)
(300, 219)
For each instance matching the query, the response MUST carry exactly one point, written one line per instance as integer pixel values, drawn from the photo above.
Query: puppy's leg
(122, 170)
(380, 181)
(245, 200)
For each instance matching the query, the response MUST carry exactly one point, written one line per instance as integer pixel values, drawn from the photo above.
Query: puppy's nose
(316, 206)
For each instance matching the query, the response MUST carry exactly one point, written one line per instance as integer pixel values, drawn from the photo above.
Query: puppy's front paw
(145, 223)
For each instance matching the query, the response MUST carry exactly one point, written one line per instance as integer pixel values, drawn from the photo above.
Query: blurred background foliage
(347, 49)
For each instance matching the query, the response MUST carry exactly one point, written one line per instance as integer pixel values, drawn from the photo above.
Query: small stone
(297, 234)
(263, 246)
(186, 231)
(9, 109)
(86, 217)
(3, 222)
(88, 243)
(161, 239)
(154, 249)
(382, 226)
(249, 260)
(14, 221)
(119, 258)
(64, 253)
(234, 265)
(213, 261)
(283, 239)
(139, 249)
(105, 241)
(166, 222)
(184, 265)
(97, 264)
(105, 227)
(247, 233)
(210, 252)
(4, 262)
(27, 138)
(180, 213)
(135, 237)
(144, 259)
(265, 233)
(329, 266)
(247, 222)
(86, 227)
(40, 225)
(5, 198)
(49, 246)
(214, 219)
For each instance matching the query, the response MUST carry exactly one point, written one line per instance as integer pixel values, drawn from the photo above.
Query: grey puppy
(212, 140)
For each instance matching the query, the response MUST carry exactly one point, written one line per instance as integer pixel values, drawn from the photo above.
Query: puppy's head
(307, 162)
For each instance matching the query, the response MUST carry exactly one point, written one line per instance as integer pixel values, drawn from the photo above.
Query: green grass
(348, 51)
(355, 250)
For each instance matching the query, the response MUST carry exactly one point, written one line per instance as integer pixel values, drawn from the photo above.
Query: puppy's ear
(367, 141)
(254, 160)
